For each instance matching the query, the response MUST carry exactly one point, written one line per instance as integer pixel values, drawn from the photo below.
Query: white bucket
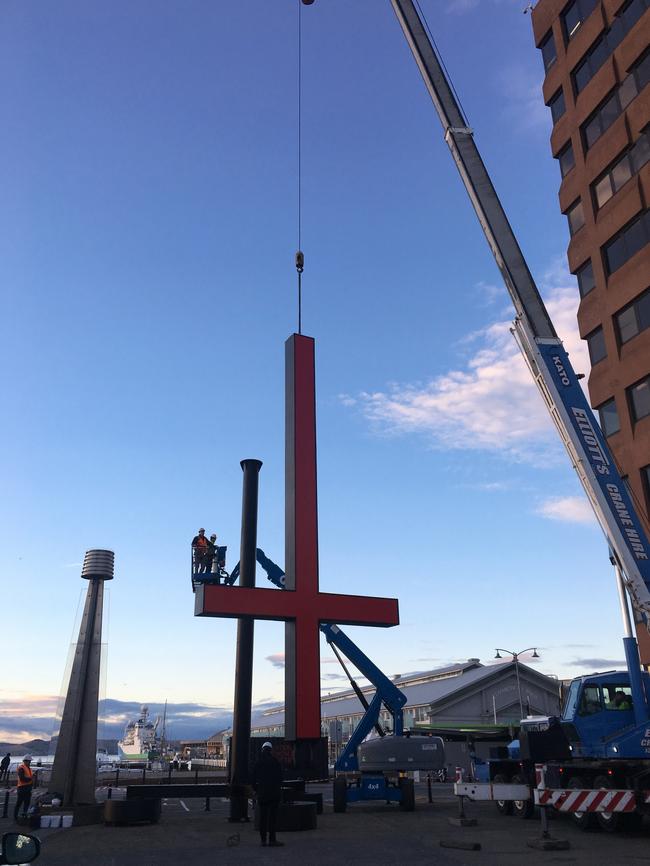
(55, 821)
(45, 821)
(66, 820)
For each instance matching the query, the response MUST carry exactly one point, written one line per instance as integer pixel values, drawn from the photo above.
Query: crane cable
(423, 18)
(300, 258)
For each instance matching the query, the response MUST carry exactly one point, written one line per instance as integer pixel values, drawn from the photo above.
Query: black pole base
(238, 810)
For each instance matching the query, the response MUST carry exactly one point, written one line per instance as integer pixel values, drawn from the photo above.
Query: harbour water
(47, 760)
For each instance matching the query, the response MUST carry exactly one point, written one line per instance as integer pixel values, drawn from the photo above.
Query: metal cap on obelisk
(99, 564)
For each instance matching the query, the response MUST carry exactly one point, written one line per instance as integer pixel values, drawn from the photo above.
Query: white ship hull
(139, 742)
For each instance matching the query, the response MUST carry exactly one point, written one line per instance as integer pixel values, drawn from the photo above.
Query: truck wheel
(610, 822)
(504, 807)
(407, 787)
(522, 808)
(583, 820)
(340, 794)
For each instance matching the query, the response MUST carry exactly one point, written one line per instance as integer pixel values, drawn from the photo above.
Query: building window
(639, 396)
(547, 47)
(566, 159)
(645, 479)
(601, 120)
(557, 105)
(575, 14)
(593, 60)
(625, 167)
(626, 243)
(625, 20)
(585, 277)
(616, 102)
(576, 217)
(641, 72)
(596, 345)
(609, 417)
(605, 44)
(634, 318)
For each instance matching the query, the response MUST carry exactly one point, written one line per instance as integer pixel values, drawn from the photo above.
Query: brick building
(597, 63)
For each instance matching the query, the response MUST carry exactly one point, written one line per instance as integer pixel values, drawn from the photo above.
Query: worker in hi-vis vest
(200, 547)
(25, 785)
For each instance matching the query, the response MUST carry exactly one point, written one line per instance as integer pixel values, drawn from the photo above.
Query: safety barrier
(587, 800)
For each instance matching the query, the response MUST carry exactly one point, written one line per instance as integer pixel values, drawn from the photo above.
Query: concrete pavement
(367, 833)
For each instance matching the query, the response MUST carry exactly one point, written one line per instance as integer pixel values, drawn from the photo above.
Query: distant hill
(31, 747)
(38, 748)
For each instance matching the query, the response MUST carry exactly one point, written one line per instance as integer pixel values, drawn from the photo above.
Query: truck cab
(598, 712)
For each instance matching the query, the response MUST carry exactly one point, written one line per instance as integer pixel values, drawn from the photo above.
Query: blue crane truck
(601, 741)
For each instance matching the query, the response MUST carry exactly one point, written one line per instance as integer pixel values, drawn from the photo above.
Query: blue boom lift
(374, 769)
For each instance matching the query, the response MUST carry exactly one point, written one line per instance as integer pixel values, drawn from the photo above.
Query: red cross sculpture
(302, 606)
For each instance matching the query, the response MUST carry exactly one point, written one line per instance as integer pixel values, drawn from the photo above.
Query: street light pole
(515, 658)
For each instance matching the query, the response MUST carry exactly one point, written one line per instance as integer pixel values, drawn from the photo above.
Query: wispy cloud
(460, 7)
(599, 664)
(489, 402)
(572, 509)
(523, 105)
(578, 645)
(35, 706)
(487, 294)
(9, 735)
(276, 659)
(489, 486)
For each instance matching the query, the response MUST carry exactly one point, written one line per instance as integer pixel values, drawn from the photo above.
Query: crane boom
(543, 351)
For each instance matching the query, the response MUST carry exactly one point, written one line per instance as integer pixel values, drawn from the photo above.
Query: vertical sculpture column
(75, 760)
(241, 724)
(302, 673)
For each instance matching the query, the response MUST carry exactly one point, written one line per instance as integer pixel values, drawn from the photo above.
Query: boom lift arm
(542, 349)
(386, 692)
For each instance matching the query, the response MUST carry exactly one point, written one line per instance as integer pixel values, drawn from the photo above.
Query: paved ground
(367, 833)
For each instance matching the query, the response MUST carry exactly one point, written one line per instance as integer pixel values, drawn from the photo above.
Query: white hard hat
(27, 758)
(267, 745)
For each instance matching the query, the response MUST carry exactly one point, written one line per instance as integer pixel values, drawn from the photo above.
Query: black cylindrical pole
(241, 723)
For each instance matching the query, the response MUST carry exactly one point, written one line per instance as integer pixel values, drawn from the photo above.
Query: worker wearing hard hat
(25, 785)
(267, 781)
(200, 549)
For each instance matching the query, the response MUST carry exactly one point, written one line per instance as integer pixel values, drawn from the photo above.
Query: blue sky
(148, 226)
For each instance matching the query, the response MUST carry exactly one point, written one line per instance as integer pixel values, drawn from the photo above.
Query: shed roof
(427, 689)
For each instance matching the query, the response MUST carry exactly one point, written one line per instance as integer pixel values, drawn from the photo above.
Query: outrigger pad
(543, 843)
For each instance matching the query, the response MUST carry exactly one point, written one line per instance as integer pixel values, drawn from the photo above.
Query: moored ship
(139, 742)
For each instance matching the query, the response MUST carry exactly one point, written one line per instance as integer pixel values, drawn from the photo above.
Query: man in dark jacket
(267, 781)
(4, 766)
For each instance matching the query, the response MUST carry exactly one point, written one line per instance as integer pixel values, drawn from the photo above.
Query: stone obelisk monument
(75, 760)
